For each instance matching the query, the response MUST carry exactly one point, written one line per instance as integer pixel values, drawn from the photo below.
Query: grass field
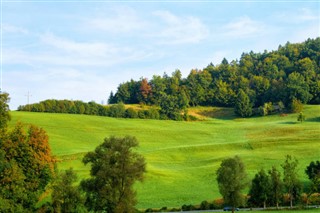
(182, 157)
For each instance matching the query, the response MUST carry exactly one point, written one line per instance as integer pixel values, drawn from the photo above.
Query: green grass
(182, 157)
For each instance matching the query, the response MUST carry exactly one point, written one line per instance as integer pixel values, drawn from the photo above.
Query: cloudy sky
(81, 50)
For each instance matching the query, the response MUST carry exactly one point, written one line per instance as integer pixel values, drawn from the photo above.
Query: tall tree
(232, 179)
(115, 167)
(276, 186)
(243, 106)
(4, 110)
(290, 178)
(66, 197)
(313, 172)
(260, 189)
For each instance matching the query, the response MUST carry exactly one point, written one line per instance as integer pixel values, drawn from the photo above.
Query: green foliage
(296, 106)
(290, 178)
(114, 170)
(26, 167)
(260, 189)
(313, 172)
(276, 186)
(291, 72)
(4, 110)
(301, 117)
(266, 109)
(243, 106)
(65, 196)
(232, 179)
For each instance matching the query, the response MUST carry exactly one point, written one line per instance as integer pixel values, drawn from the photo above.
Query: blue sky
(82, 50)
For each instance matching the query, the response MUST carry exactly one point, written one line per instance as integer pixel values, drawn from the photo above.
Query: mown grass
(182, 157)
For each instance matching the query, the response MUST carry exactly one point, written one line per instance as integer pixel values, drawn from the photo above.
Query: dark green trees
(260, 189)
(66, 197)
(243, 106)
(114, 169)
(313, 172)
(232, 179)
(4, 110)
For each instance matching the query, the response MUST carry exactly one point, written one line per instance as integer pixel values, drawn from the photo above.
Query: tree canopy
(115, 167)
(232, 179)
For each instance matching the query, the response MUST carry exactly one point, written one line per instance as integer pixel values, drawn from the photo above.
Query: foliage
(291, 72)
(232, 179)
(313, 172)
(290, 178)
(296, 106)
(65, 196)
(243, 106)
(260, 189)
(276, 186)
(4, 110)
(301, 117)
(27, 166)
(114, 170)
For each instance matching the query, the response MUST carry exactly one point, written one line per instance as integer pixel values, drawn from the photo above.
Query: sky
(82, 50)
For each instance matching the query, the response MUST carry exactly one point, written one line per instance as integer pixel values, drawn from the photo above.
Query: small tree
(301, 117)
(296, 105)
(65, 196)
(115, 167)
(232, 178)
(260, 189)
(313, 172)
(276, 186)
(290, 178)
(4, 110)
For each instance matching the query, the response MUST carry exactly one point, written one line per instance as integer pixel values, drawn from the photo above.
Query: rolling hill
(182, 157)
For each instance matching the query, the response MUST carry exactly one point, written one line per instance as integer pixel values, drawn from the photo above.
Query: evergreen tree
(243, 106)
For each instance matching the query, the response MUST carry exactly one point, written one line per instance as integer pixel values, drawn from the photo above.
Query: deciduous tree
(232, 179)
(115, 167)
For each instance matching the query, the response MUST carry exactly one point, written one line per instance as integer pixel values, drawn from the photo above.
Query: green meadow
(182, 157)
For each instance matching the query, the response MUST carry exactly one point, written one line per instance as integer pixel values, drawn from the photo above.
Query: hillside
(182, 157)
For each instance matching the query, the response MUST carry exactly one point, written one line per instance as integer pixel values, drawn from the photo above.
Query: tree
(301, 117)
(243, 106)
(275, 186)
(232, 178)
(27, 167)
(313, 172)
(115, 167)
(65, 196)
(290, 178)
(4, 110)
(260, 189)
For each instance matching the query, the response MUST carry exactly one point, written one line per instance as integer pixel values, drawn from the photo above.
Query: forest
(258, 83)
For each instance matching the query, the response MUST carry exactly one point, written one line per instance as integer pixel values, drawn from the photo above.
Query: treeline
(289, 74)
(78, 107)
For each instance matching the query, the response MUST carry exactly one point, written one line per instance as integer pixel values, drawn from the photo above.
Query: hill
(182, 157)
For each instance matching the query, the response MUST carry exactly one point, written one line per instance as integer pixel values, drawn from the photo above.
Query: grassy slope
(182, 157)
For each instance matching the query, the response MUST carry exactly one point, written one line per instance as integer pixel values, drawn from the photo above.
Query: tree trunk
(291, 201)
(264, 204)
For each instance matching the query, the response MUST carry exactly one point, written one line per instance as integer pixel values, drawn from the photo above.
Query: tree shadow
(315, 119)
(221, 114)
(288, 122)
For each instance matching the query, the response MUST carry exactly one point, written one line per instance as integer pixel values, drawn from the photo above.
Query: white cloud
(121, 20)
(302, 15)
(243, 27)
(8, 28)
(59, 51)
(179, 30)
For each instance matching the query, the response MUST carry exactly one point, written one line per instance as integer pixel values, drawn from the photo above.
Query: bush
(204, 205)
(296, 106)
(117, 111)
(131, 113)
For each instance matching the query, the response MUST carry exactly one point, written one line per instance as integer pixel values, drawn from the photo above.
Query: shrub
(117, 111)
(131, 113)
(296, 106)
(204, 205)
